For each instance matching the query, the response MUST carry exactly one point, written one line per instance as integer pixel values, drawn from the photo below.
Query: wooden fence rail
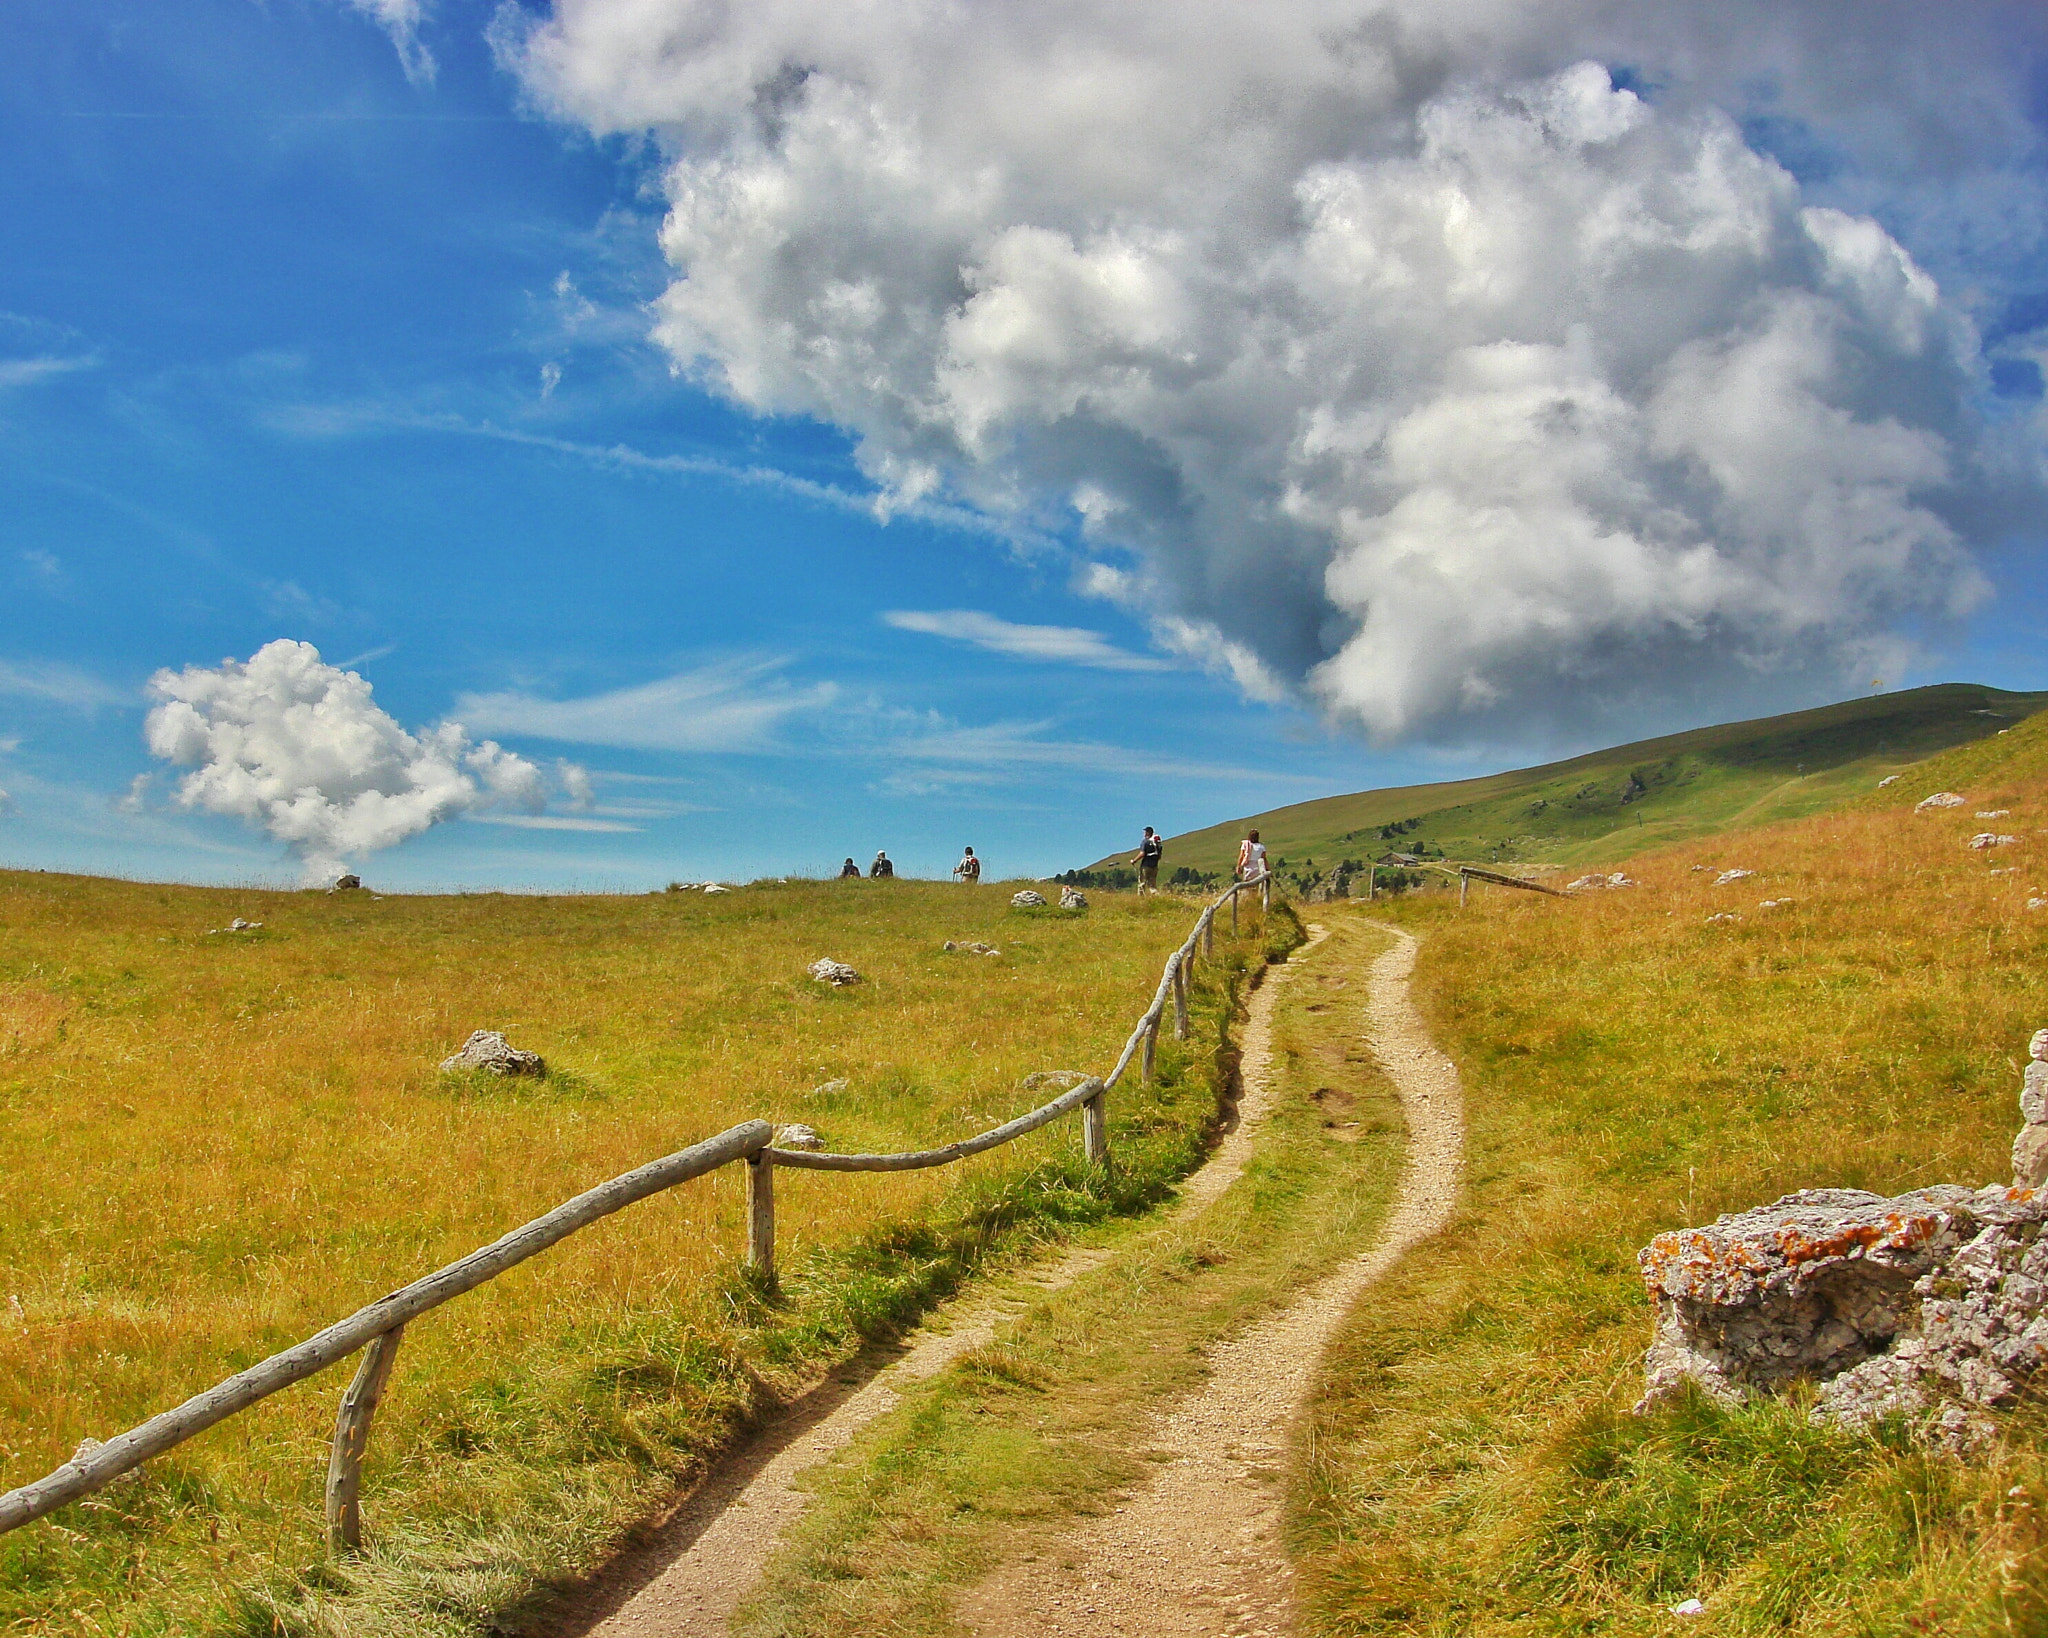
(377, 1327)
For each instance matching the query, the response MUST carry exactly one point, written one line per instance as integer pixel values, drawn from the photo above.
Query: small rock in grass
(1728, 876)
(974, 948)
(714, 887)
(1692, 1606)
(1029, 899)
(1586, 884)
(2036, 904)
(1072, 898)
(1986, 838)
(1994, 813)
(828, 1089)
(797, 1136)
(1724, 915)
(488, 1050)
(1940, 799)
(1772, 904)
(1039, 1079)
(1889, 779)
(836, 973)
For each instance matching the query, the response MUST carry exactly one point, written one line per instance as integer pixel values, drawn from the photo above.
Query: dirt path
(1196, 1553)
(703, 1560)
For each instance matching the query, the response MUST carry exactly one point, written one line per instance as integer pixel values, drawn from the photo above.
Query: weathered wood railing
(377, 1327)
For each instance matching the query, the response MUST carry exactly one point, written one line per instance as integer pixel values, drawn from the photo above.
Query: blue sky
(303, 337)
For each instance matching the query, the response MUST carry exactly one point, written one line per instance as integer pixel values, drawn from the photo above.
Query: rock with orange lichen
(1929, 1305)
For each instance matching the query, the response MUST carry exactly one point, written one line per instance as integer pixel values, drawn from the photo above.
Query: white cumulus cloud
(1415, 359)
(401, 20)
(300, 748)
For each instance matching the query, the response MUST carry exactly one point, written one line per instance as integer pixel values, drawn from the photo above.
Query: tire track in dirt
(1197, 1552)
(707, 1556)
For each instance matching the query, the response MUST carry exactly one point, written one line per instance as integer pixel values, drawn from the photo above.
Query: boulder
(1041, 1079)
(1728, 876)
(1988, 838)
(490, 1051)
(1940, 799)
(836, 973)
(1029, 899)
(1072, 898)
(1931, 1305)
(797, 1136)
(344, 884)
(976, 947)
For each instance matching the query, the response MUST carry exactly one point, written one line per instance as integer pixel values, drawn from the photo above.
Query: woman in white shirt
(1251, 858)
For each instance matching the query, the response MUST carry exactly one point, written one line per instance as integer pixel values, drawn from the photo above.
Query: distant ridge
(1606, 805)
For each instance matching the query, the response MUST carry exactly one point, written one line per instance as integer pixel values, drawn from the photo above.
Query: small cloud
(730, 707)
(366, 656)
(1201, 642)
(44, 566)
(288, 600)
(574, 780)
(60, 684)
(401, 20)
(549, 821)
(550, 378)
(300, 748)
(133, 801)
(29, 372)
(9, 744)
(1055, 645)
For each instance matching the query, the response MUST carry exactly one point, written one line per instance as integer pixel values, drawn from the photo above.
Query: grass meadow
(212, 1144)
(1472, 1464)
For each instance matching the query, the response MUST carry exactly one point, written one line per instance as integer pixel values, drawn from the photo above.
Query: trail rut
(707, 1556)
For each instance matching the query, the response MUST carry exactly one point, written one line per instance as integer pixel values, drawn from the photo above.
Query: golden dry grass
(1631, 1067)
(212, 1144)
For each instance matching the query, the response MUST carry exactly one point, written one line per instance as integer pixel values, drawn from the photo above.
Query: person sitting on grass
(1147, 858)
(968, 869)
(881, 867)
(849, 869)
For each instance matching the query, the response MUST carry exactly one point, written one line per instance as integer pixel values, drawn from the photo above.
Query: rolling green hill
(1607, 805)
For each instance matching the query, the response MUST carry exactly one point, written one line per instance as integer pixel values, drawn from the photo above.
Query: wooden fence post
(761, 1214)
(1266, 891)
(1209, 935)
(1151, 1046)
(1372, 882)
(1233, 914)
(1464, 887)
(1180, 1001)
(352, 1439)
(1095, 1130)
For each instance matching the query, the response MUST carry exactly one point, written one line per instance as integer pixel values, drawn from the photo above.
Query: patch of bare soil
(1197, 1552)
(705, 1558)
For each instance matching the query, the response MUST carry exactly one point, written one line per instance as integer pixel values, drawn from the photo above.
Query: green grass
(1630, 1068)
(212, 1145)
(1610, 805)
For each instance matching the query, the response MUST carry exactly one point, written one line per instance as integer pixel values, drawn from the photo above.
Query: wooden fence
(377, 1328)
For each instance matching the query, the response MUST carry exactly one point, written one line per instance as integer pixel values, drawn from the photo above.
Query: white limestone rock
(1940, 799)
(489, 1051)
(1728, 876)
(1984, 839)
(797, 1136)
(1029, 899)
(836, 973)
(1072, 898)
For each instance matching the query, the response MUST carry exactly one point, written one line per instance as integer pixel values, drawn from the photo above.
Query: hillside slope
(1610, 804)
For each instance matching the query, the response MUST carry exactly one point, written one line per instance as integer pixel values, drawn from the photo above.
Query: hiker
(881, 867)
(968, 869)
(1251, 858)
(849, 869)
(1147, 860)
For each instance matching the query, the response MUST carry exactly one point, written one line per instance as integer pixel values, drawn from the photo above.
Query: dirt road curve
(1196, 1554)
(1193, 1554)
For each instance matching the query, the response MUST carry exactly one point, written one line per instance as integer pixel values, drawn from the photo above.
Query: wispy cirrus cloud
(27, 372)
(1055, 645)
(735, 706)
(60, 684)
